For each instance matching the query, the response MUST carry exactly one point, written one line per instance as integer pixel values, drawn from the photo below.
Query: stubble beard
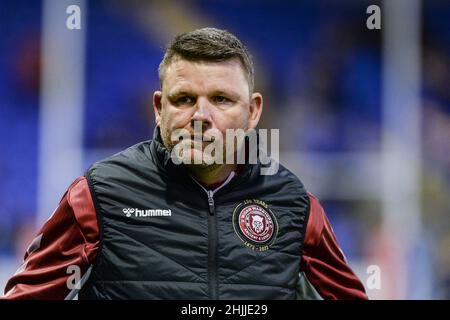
(194, 152)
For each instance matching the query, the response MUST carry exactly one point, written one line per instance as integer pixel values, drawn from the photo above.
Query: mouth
(203, 138)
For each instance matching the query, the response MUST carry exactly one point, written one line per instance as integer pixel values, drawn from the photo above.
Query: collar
(159, 150)
(164, 161)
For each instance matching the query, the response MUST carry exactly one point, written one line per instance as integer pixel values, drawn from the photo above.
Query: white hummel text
(147, 212)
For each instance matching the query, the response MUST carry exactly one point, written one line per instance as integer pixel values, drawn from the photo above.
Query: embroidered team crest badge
(255, 224)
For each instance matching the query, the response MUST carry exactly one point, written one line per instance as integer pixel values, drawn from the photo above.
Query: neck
(211, 174)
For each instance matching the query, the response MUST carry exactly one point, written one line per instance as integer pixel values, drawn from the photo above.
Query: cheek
(234, 119)
(173, 118)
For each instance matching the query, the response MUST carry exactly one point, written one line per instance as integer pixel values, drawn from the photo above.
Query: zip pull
(211, 202)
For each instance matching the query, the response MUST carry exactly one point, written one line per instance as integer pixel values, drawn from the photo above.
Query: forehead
(202, 75)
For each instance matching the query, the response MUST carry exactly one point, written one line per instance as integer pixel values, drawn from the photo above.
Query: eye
(184, 100)
(221, 99)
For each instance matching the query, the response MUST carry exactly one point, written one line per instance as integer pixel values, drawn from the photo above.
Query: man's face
(216, 94)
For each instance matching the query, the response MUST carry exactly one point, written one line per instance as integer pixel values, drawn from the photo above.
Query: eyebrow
(230, 94)
(223, 93)
(180, 93)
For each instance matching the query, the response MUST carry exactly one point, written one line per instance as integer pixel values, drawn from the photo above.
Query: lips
(203, 138)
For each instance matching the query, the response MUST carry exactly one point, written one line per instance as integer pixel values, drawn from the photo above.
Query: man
(140, 225)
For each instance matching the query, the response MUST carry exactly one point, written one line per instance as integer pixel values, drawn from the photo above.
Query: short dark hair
(211, 45)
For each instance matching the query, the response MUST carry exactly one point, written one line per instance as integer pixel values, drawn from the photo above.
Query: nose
(202, 113)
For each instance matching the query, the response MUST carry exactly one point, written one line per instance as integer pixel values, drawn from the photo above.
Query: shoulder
(274, 171)
(283, 188)
(287, 182)
(290, 177)
(292, 185)
(136, 152)
(126, 159)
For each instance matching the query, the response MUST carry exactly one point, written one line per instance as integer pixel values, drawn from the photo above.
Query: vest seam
(100, 223)
(305, 222)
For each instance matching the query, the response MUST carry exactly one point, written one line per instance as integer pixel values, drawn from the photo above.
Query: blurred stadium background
(364, 115)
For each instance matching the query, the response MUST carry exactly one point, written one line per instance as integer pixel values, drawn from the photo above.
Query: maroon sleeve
(324, 263)
(68, 238)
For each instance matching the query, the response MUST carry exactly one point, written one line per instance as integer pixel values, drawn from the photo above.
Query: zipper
(212, 248)
(211, 202)
(213, 284)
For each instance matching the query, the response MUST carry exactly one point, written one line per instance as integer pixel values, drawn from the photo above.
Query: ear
(157, 106)
(256, 107)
